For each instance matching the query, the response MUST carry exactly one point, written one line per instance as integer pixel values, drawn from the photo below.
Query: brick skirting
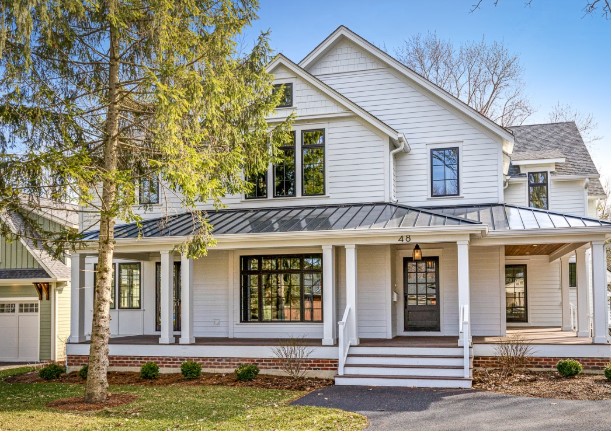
(543, 362)
(207, 363)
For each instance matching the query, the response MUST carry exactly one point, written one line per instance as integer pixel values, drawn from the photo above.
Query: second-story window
(287, 98)
(538, 189)
(313, 162)
(148, 190)
(260, 185)
(445, 172)
(284, 171)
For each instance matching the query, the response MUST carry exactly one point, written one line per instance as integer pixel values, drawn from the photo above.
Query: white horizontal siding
(211, 291)
(485, 291)
(568, 197)
(344, 57)
(516, 193)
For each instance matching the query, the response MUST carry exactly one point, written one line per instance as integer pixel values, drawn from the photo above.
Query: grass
(176, 407)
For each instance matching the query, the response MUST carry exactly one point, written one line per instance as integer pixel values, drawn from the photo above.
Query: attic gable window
(287, 99)
(538, 189)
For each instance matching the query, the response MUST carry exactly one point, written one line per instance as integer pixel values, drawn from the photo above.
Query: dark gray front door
(421, 294)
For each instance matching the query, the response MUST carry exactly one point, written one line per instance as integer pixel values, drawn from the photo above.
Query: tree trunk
(97, 384)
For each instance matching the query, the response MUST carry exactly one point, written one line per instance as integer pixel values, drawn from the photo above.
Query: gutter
(402, 144)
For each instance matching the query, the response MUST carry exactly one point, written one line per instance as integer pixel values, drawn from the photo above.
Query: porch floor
(537, 335)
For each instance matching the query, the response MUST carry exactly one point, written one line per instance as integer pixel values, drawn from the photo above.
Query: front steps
(428, 367)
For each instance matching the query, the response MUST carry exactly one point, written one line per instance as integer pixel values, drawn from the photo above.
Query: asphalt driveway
(444, 409)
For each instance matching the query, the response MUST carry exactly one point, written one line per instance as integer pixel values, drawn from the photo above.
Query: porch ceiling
(532, 250)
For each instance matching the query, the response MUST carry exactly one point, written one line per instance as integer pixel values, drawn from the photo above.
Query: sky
(564, 53)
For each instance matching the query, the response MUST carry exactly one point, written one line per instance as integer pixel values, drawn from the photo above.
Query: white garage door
(19, 335)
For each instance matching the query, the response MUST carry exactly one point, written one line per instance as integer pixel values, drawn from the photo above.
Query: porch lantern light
(417, 254)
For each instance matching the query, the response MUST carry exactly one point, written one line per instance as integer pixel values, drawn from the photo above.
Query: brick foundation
(543, 362)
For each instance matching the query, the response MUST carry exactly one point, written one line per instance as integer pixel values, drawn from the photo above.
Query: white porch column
(600, 296)
(329, 296)
(77, 304)
(566, 322)
(351, 291)
(186, 301)
(582, 293)
(463, 280)
(166, 298)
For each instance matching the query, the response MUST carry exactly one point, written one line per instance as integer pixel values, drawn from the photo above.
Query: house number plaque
(404, 239)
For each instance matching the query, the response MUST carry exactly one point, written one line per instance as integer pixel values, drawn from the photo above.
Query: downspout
(401, 145)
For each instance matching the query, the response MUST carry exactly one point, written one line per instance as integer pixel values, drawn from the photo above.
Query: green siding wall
(13, 255)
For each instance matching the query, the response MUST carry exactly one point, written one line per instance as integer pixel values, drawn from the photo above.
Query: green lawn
(23, 407)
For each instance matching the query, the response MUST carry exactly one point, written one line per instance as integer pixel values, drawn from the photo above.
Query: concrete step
(403, 370)
(404, 381)
(415, 351)
(407, 360)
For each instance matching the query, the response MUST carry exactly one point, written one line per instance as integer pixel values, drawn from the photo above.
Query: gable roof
(344, 32)
(337, 97)
(563, 139)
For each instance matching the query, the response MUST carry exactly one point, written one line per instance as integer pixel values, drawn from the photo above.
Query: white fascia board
(542, 161)
(343, 31)
(22, 281)
(333, 94)
(520, 237)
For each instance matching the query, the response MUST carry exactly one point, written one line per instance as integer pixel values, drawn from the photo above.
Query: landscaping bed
(545, 384)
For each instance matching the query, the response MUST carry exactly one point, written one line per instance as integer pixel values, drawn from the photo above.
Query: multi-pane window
(445, 172)
(572, 274)
(29, 307)
(313, 162)
(148, 191)
(538, 189)
(287, 98)
(129, 285)
(284, 288)
(284, 171)
(422, 282)
(7, 308)
(260, 185)
(516, 293)
(113, 284)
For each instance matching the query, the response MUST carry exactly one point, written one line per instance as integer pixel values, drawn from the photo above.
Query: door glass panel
(516, 293)
(421, 291)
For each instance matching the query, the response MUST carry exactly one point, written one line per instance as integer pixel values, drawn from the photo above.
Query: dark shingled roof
(18, 274)
(556, 139)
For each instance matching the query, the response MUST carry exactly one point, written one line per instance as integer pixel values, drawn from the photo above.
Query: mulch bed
(229, 379)
(545, 384)
(80, 405)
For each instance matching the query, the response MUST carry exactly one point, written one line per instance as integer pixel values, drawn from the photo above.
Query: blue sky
(565, 54)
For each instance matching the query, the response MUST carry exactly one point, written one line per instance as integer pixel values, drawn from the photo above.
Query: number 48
(404, 238)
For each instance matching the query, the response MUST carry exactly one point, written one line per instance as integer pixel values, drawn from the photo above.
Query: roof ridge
(543, 124)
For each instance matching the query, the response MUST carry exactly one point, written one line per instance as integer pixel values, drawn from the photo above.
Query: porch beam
(329, 296)
(582, 293)
(166, 298)
(600, 297)
(566, 321)
(77, 304)
(463, 280)
(564, 250)
(351, 291)
(186, 301)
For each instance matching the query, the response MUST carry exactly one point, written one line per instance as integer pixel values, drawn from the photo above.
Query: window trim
(295, 167)
(547, 184)
(288, 84)
(524, 266)
(141, 200)
(118, 299)
(314, 146)
(431, 179)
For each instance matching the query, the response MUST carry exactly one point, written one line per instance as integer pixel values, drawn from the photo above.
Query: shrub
(569, 367)
(246, 372)
(83, 372)
(293, 354)
(191, 369)
(149, 370)
(513, 353)
(51, 371)
(607, 372)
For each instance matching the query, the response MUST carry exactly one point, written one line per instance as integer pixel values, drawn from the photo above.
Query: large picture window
(313, 162)
(113, 284)
(284, 171)
(538, 189)
(445, 172)
(516, 293)
(285, 288)
(129, 285)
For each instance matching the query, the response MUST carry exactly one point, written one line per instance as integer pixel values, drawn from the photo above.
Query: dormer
(539, 161)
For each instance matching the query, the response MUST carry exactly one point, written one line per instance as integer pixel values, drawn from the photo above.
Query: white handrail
(344, 340)
(573, 317)
(464, 329)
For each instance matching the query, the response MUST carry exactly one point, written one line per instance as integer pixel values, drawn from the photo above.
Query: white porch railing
(573, 317)
(464, 329)
(344, 340)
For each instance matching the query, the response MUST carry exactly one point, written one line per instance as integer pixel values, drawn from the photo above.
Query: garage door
(19, 336)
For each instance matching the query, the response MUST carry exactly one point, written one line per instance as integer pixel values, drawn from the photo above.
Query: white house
(401, 237)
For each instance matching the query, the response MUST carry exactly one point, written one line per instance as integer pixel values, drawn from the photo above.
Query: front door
(176, 308)
(421, 294)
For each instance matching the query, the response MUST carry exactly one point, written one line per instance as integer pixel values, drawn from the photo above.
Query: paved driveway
(436, 409)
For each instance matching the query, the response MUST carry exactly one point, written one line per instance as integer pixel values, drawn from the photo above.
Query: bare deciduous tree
(585, 122)
(485, 76)
(591, 6)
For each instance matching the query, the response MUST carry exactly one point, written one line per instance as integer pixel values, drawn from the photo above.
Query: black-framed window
(260, 185)
(281, 288)
(129, 285)
(287, 98)
(113, 284)
(313, 162)
(445, 172)
(148, 190)
(572, 274)
(516, 293)
(284, 171)
(538, 189)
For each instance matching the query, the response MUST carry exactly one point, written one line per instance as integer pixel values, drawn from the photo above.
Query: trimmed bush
(191, 369)
(607, 372)
(246, 372)
(149, 370)
(83, 372)
(569, 367)
(51, 371)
